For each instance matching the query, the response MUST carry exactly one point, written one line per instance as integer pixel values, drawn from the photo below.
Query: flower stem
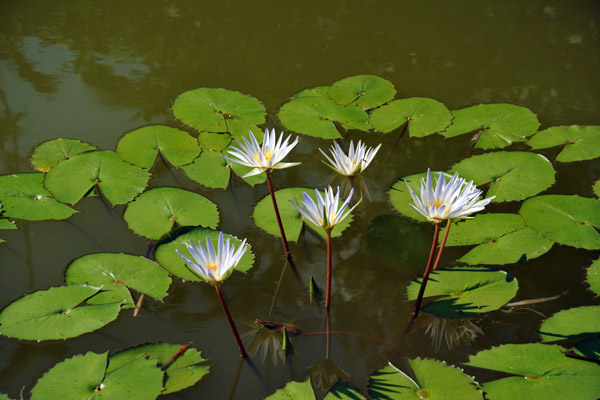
(415, 313)
(328, 295)
(443, 245)
(286, 248)
(231, 324)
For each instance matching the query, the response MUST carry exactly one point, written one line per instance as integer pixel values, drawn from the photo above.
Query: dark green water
(95, 70)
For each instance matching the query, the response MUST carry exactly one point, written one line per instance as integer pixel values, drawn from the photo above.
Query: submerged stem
(286, 248)
(436, 234)
(328, 295)
(442, 246)
(231, 324)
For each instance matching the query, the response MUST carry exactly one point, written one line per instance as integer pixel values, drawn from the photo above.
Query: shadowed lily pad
(580, 142)
(304, 391)
(49, 153)
(424, 116)
(589, 348)
(578, 322)
(593, 276)
(364, 91)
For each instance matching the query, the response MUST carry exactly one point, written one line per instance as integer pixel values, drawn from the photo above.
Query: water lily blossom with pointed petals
(353, 164)
(266, 158)
(326, 212)
(453, 200)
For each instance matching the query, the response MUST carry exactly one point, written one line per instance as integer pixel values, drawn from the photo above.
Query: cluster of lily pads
(218, 121)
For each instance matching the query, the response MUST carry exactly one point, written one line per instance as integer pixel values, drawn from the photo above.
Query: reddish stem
(171, 360)
(231, 324)
(443, 245)
(286, 248)
(328, 295)
(436, 234)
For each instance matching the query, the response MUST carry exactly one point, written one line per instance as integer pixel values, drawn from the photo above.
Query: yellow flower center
(212, 267)
(439, 204)
(268, 155)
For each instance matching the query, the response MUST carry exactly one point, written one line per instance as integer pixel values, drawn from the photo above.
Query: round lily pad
(424, 116)
(465, 291)
(319, 91)
(578, 322)
(433, 380)
(56, 313)
(511, 175)
(498, 125)
(156, 211)
(542, 372)
(214, 141)
(593, 276)
(364, 91)
(118, 181)
(23, 196)
(49, 153)
(570, 220)
(579, 142)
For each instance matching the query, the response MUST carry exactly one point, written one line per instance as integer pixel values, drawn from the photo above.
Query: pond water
(95, 70)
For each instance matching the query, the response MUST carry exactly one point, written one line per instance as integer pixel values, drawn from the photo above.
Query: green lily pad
(115, 273)
(501, 239)
(187, 369)
(512, 175)
(570, 220)
(498, 125)
(141, 146)
(589, 348)
(118, 181)
(85, 377)
(4, 397)
(169, 259)
(214, 141)
(319, 91)
(210, 110)
(596, 188)
(6, 224)
(156, 211)
(465, 291)
(578, 322)
(542, 372)
(292, 220)
(593, 276)
(579, 142)
(424, 116)
(364, 91)
(49, 153)
(304, 391)
(315, 116)
(434, 380)
(56, 313)
(23, 196)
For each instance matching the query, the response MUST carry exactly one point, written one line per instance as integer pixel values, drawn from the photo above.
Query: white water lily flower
(266, 158)
(355, 162)
(214, 267)
(325, 213)
(455, 199)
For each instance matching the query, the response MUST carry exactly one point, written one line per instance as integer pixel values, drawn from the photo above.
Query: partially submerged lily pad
(578, 322)
(49, 153)
(423, 116)
(364, 91)
(579, 142)
(304, 391)
(593, 276)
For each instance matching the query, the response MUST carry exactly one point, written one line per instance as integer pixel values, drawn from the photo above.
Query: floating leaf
(23, 196)
(214, 141)
(596, 188)
(115, 273)
(465, 291)
(501, 239)
(6, 224)
(570, 220)
(49, 153)
(118, 181)
(56, 313)
(593, 276)
(4, 397)
(580, 142)
(512, 175)
(589, 348)
(543, 372)
(364, 91)
(575, 322)
(156, 211)
(304, 391)
(319, 91)
(424, 116)
(434, 380)
(168, 258)
(498, 125)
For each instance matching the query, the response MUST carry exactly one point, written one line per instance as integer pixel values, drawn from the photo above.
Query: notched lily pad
(578, 322)
(214, 141)
(319, 91)
(579, 142)
(363, 91)
(49, 153)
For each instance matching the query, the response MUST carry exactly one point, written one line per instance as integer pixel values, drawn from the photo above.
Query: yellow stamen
(267, 155)
(212, 267)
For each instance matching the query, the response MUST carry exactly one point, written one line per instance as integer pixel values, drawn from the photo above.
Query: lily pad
(589, 348)
(596, 188)
(304, 391)
(364, 91)
(579, 142)
(214, 141)
(118, 181)
(570, 220)
(210, 110)
(6, 224)
(115, 273)
(56, 313)
(501, 239)
(319, 91)
(141, 146)
(49, 153)
(169, 207)
(511, 175)
(23, 196)
(424, 116)
(578, 322)
(465, 291)
(542, 372)
(4, 397)
(434, 380)
(498, 125)
(169, 259)
(593, 276)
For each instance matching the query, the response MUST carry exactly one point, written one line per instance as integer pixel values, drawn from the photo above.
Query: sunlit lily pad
(542, 372)
(304, 391)
(141, 146)
(433, 380)
(49, 153)
(319, 91)
(578, 322)
(570, 220)
(214, 141)
(118, 181)
(4, 397)
(157, 211)
(424, 116)
(86, 377)
(579, 142)
(56, 313)
(508, 175)
(498, 125)
(23, 196)
(501, 239)
(596, 188)
(169, 259)
(465, 291)
(364, 91)
(115, 273)
(593, 276)
(6, 224)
